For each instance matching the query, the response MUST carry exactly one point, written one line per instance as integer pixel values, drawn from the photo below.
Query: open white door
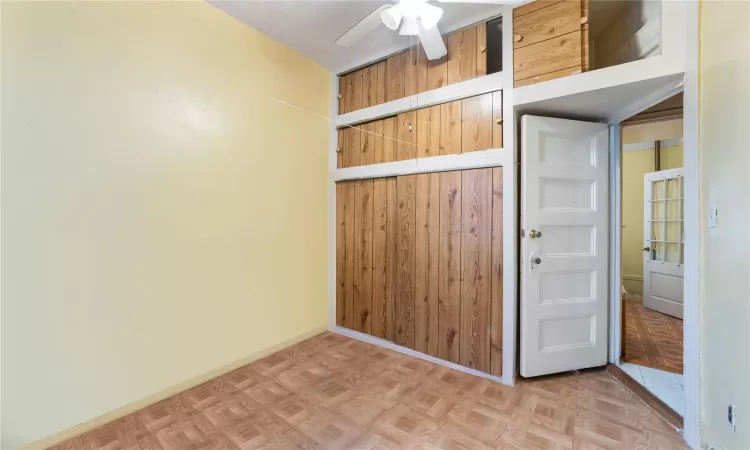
(663, 242)
(564, 247)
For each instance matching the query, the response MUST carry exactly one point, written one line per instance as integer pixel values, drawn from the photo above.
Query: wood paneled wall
(419, 263)
(410, 72)
(471, 124)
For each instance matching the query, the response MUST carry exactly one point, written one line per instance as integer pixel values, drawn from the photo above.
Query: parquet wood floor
(334, 392)
(652, 339)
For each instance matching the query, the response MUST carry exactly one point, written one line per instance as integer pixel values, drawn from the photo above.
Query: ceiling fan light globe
(429, 15)
(410, 27)
(391, 17)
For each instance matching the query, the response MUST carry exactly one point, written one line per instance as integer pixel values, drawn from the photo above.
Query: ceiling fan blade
(361, 29)
(432, 42)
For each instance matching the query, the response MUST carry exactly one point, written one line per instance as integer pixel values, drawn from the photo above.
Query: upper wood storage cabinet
(461, 126)
(557, 38)
(550, 40)
(472, 52)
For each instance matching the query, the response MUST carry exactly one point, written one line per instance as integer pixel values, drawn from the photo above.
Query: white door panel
(565, 197)
(663, 242)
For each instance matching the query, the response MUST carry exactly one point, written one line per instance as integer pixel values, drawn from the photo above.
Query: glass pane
(673, 210)
(658, 190)
(657, 248)
(673, 231)
(658, 210)
(673, 253)
(673, 188)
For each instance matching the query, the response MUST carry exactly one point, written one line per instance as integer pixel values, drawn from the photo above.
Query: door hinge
(523, 233)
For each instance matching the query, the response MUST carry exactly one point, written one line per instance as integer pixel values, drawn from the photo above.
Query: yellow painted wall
(724, 167)
(635, 164)
(161, 216)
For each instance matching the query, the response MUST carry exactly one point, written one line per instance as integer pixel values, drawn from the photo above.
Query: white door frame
(691, 229)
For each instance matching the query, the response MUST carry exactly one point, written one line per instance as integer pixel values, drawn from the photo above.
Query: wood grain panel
(428, 132)
(437, 72)
(423, 68)
(406, 136)
(449, 260)
(380, 258)
(557, 19)
(476, 260)
(342, 91)
(340, 149)
(345, 254)
(404, 302)
(562, 52)
(371, 141)
(373, 84)
(450, 128)
(387, 151)
(585, 49)
(363, 211)
(391, 237)
(496, 295)
(547, 77)
(497, 119)
(351, 146)
(481, 49)
(352, 94)
(531, 7)
(462, 55)
(476, 124)
(427, 239)
(395, 87)
(411, 71)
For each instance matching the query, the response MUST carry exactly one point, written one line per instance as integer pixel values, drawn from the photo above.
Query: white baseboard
(407, 351)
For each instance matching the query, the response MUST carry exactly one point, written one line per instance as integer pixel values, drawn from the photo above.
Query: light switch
(713, 215)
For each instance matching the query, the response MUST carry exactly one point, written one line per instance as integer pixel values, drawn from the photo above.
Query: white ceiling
(312, 26)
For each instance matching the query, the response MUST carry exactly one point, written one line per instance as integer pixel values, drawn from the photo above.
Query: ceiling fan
(419, 18)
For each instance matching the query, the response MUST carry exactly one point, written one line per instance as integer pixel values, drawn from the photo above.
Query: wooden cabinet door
(449, 260)
(496, 277)
(350, 90)
(427, 240)
(497, 119)
(428, 132)
(405, 282)
(462, 55)
(395, 85)
(350, 146)
(371, 141)
(406, 136)
(555, 20)
(373, 84)
(450, 128)
(476, 126)
(362, 273)
(476, 268)
(552, 55)
(345, 192)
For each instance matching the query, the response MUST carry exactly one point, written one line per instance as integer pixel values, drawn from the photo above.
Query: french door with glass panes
(663, 242)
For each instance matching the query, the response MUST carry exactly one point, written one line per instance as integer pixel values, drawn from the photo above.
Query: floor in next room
(652, 339)
(334, 392)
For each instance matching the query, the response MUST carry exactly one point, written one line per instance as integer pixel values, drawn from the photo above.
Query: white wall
(724, 166)
(162, 217)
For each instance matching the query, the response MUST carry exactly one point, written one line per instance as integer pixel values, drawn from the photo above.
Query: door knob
(646, 249)
(537, 260)
(535, 234)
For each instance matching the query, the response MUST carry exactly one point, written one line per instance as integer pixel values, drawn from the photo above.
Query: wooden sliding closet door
(419, 262)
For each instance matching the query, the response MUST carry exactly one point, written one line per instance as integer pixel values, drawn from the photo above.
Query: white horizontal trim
(650, 145)
(407, 351)
(632, 278)
(645, 69)
(471, 160)
(464, 89)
